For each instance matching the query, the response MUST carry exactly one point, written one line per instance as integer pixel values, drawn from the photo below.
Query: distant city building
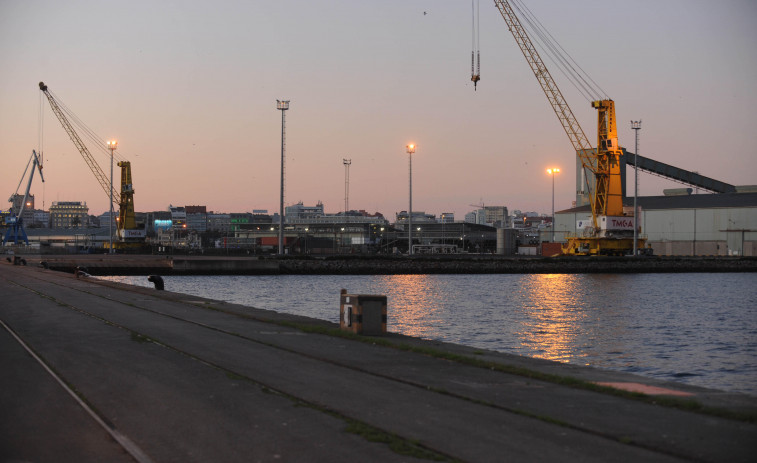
(447, 217)
(17, 202)
(197, 221)
(531, 222)
(300, 214)
(300, 211)
(156, 221)
(105, 217)
(195, 209)
(494, 216)
(239, 220)
(419, 217)
(41, 219)
(178, 216)
(219, 222)
(69, 214)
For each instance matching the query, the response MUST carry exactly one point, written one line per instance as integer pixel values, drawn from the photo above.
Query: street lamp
(410, 151)
(636, 126)
(283, 106)
(552, 172)
(112, 145)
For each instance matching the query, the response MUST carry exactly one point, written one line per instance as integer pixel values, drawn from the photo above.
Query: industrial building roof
(703, 201)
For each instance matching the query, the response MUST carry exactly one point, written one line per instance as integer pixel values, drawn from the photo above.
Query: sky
(189, 90)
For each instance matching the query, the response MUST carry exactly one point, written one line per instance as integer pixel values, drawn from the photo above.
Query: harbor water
(696, 328)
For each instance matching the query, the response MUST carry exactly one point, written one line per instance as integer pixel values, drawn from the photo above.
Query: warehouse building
(684, 225)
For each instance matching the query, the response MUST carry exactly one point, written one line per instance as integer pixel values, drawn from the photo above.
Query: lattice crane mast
(91, 162)
(126, 224)
(602, 162)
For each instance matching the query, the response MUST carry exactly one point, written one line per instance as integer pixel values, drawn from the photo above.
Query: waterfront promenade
(97, 371)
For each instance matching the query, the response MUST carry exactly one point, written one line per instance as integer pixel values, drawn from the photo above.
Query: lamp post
(283, 106)
(410, 151)
(552, 172)
(112, 145)
(636, 126)
(347, 163)
(444, 217)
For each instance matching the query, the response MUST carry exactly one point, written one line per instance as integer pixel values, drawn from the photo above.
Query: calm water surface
(694, 328)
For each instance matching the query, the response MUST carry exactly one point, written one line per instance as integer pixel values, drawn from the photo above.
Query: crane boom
(559, 105)
(603, 162)
(91, 162)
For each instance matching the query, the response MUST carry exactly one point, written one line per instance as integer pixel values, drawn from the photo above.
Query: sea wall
(384, 265)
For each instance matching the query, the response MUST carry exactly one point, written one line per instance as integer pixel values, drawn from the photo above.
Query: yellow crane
(610, 232)
(126, 226)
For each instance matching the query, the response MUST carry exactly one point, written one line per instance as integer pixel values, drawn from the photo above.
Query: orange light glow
(553, 170)
(553, 325)
(415, 303)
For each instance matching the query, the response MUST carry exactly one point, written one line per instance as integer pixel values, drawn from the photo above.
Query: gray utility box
(362, 313)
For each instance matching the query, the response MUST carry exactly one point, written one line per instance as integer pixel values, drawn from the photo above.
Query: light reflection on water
(696, 328)
(414, 302)
(551, 314)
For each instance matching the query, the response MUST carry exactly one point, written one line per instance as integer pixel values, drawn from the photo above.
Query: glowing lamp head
(553, 171)
(411, 148)
(112, 144)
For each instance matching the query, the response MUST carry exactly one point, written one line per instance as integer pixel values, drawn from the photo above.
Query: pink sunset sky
(189, 90)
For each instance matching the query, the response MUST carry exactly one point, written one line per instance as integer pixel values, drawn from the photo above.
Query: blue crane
(15, 221)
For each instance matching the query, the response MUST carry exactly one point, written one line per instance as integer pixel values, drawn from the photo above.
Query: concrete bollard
(362, 313)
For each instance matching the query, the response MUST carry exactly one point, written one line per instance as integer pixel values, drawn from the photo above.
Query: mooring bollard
(81, 272)
(157, 280)
(362, 313)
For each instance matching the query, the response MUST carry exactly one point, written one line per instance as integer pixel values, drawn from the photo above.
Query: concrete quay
(99, 371)
(131, 264)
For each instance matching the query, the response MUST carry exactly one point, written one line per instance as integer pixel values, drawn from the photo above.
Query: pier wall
(361, 265)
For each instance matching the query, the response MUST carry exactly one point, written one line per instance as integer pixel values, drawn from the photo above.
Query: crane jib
(603, 162)
(88, 158)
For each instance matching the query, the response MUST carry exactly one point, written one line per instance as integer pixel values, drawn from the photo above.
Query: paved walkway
(96, 371)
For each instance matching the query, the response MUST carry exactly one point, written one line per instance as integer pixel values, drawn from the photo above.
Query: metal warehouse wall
(693, 231)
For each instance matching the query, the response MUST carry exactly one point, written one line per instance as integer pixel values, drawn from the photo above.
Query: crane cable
(572, 71)
(475, 44)
(95, 139)
(40, 141)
